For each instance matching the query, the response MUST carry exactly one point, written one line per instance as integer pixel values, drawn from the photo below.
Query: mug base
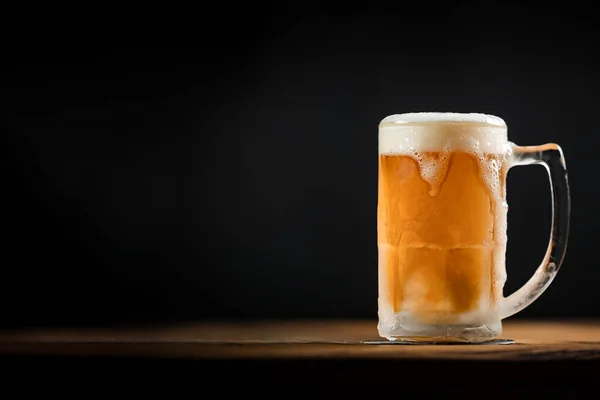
(440, 334)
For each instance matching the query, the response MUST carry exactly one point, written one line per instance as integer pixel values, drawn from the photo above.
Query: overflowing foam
(417, 134)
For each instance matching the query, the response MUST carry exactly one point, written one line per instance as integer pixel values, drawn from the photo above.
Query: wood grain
(312, 340)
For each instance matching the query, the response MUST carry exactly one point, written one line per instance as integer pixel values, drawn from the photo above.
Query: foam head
(441, 131)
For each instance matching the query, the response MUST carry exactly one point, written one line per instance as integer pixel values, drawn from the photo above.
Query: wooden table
(546, 357)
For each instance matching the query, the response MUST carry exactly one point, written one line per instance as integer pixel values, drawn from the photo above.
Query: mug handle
(551, 157)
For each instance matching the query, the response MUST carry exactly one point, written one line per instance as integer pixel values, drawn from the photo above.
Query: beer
(441, 220)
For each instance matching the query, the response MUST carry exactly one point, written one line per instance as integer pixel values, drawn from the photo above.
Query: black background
(228, 169)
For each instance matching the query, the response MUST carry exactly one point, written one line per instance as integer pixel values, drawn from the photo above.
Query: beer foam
(426, 117)
(404, 134)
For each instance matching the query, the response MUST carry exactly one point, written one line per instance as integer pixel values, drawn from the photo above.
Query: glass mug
(441, 226)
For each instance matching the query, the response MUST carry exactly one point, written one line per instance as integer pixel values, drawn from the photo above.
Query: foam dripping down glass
(442, 226)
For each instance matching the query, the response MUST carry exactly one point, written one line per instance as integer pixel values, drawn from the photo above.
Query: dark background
(230, 170)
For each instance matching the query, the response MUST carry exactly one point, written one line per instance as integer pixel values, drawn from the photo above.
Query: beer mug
(441, 226)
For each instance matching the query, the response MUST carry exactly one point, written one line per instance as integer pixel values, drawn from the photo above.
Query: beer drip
(433, 168)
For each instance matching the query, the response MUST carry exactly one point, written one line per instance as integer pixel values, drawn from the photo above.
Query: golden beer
(441, 221)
